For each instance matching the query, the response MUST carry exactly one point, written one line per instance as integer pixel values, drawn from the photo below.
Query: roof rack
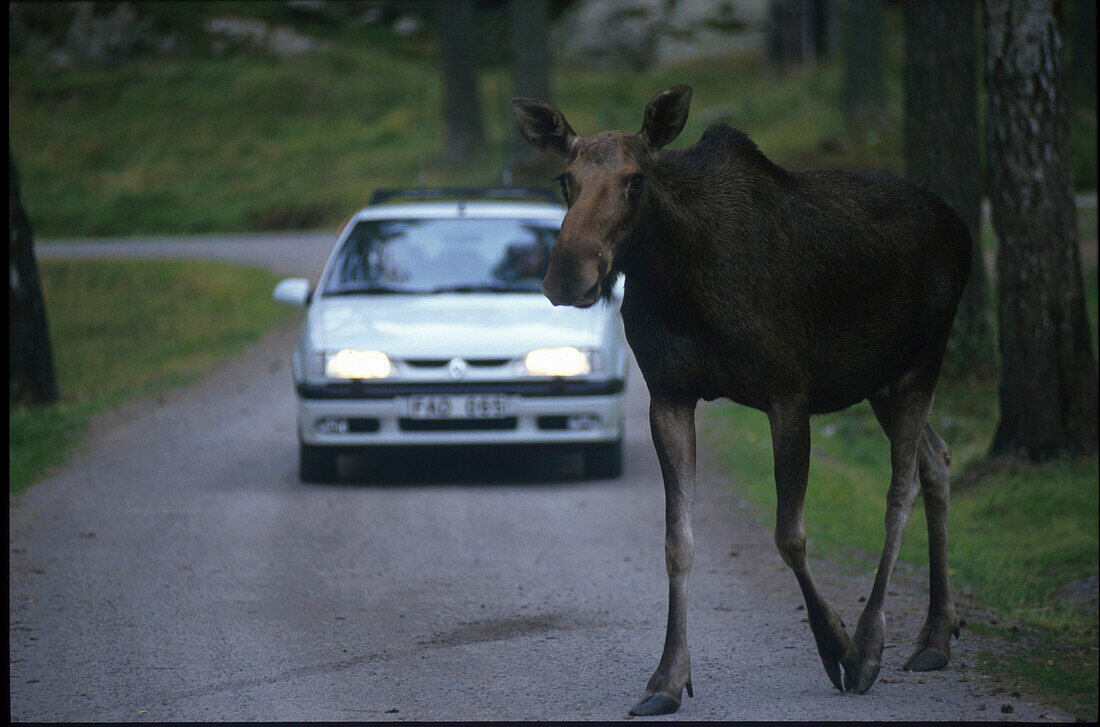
(542, 194)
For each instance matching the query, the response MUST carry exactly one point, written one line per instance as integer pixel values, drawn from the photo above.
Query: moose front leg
(790, 427)
(673, 427)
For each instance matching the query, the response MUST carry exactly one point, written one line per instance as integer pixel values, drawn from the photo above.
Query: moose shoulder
(768, 281)
(790, 292)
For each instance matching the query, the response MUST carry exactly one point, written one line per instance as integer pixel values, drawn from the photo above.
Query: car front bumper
(379, 416)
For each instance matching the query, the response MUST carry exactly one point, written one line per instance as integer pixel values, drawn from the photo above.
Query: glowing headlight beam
(564, 361)
(352, 364)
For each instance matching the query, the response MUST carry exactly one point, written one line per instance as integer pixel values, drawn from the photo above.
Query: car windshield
(443, 255)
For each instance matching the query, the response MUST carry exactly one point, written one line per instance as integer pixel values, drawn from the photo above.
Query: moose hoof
(928, 659)
(654, 705)
(844, 671)
(838, 653)
(865, 677)
(868, 640)
(933, 647)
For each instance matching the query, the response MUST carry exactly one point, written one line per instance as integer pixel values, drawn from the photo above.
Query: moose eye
(634, 185)
(563, 180)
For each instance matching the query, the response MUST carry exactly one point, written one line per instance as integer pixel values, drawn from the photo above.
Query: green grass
(130, 329)
(1017, 533)
(300, 143)
(1067, 675)
(200, 143)
(42, 438)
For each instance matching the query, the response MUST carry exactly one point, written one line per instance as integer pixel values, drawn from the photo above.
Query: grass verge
(127, 329)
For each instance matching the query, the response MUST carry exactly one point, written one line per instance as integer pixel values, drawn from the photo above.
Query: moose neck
(713, 235)
(711, 213)
(671, 241)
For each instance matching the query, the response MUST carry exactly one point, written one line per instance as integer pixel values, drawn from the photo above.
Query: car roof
(483, 209)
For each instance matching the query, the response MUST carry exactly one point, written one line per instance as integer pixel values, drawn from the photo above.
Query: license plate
(469, 406)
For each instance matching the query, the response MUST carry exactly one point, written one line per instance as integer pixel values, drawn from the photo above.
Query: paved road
(176, 569)
(289, 253)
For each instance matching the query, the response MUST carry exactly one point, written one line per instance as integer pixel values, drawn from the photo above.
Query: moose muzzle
(575, 274)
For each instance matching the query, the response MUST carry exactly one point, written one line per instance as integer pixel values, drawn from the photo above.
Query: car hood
(448, 325)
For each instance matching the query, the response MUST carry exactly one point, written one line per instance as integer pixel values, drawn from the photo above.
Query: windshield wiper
(479, 288)
(372, 290)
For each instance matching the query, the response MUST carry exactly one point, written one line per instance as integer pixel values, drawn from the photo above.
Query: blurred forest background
(131, 118)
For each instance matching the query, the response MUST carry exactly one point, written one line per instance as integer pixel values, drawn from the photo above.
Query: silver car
(428, 327)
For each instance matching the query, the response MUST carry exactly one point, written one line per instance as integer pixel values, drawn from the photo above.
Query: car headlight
(352, 364)
(563, 361)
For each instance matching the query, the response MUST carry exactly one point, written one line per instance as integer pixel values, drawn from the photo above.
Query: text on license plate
(455, 406)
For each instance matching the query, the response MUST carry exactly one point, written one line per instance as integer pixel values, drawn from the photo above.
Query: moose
(794, 293)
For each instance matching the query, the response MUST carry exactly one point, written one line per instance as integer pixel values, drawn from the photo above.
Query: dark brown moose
(795, 293)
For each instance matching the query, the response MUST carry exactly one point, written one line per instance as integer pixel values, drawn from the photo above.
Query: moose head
(605, 187)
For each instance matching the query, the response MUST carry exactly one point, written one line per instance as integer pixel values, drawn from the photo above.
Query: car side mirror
(294, 292)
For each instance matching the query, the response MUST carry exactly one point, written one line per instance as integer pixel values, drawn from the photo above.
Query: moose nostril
(593, 292)
(601, 267)
(551, 294)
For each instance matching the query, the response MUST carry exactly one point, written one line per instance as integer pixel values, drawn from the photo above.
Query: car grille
(438, 363)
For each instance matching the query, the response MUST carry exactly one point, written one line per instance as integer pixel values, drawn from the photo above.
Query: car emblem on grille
(457, 368)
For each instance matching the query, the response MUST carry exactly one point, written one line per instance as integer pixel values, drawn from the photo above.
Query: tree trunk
(793, 35)
(941, 150)
(1048, 379)
(1082, 64)
(531, 67)
(30, 358)
(864, 82)
(462, 109)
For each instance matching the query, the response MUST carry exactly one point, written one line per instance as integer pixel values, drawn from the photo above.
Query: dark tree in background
(1048, 376)
(941, 149)
(31, 378)
(1082, 61)
(863, 53)
(465, 133)
(530, 24)
(797, 31)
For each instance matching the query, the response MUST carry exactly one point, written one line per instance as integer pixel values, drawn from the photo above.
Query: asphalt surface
(175, 569)
(290, 253)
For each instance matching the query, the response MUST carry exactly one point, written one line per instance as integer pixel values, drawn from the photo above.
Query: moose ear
(665, 116)
(543, 126)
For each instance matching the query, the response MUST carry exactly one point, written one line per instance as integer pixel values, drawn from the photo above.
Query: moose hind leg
(933, 647)
(790, 426)
(673, 427)
(903, 415)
